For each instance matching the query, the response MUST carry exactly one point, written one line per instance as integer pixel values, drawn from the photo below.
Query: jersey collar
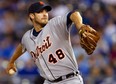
(35, 33)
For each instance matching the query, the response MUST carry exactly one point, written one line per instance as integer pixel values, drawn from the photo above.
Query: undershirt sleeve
(69, 22)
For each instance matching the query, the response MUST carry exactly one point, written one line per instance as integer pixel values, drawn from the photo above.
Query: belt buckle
(63, 77)
(74, 72)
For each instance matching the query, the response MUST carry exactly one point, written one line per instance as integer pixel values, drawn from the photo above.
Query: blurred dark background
(98, 68)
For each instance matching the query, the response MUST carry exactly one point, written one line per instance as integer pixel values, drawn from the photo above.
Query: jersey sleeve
(69, 22)
(23, 46)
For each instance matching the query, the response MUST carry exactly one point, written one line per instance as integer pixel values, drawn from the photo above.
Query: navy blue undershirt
(36, 33)
(68, 24)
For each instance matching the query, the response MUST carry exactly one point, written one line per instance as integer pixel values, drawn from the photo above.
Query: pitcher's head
(38, 12)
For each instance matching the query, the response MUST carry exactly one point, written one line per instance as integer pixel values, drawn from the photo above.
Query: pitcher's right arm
(17, 53)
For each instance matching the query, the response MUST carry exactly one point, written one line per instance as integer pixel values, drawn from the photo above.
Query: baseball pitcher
(49, 44)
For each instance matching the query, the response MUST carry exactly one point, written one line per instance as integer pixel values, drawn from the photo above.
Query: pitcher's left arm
(88, 36)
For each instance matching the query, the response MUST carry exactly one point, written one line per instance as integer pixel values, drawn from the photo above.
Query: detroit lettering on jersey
(40, 49)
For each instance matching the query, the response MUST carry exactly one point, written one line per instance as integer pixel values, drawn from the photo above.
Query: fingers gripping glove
(88, 38)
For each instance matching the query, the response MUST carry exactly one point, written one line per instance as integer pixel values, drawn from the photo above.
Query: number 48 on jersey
(59, 53)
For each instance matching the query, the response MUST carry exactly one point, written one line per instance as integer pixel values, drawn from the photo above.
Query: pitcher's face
(41, 17)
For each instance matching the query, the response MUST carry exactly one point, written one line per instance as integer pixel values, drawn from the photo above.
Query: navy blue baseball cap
(38, 6)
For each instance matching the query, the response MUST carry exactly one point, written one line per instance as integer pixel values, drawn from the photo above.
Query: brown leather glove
(88, 38)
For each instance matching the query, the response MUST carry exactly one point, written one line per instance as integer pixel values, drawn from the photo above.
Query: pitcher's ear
(31, 15)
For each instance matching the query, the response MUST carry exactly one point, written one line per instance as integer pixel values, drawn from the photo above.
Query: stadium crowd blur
(98, 68)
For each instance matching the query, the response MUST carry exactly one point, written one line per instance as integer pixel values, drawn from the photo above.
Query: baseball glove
(88, 38)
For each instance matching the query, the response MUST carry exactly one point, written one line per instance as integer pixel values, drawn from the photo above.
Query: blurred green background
(98, 68)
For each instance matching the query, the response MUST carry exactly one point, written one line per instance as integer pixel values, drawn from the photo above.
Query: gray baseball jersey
(51, 49)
